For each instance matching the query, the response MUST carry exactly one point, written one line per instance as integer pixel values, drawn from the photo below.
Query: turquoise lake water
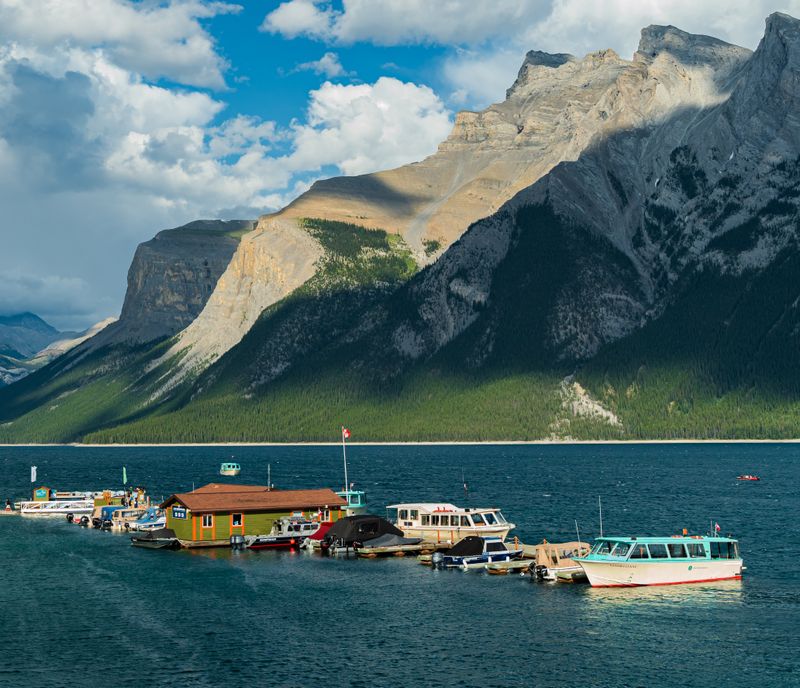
(83, 608)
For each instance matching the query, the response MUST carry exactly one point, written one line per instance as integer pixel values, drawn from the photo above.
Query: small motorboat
(152, 519)
(163, 538)
(230, 469)
(554, 561)
(102, 515)
(475, 552)
(748, 477)
(351, 532)
(286, 533)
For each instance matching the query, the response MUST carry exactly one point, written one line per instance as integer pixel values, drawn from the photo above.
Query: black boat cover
(361, 528)
(391, 540)
(467, 547)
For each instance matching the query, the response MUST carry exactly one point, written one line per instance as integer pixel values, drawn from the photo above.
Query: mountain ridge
(614, 294)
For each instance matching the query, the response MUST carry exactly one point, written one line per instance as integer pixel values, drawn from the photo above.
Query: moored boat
(475, 552)
(286, 533)
(439, 523)
(671, 560)
(152, 519)
(556, 561)
(748, 477)
(162, 538)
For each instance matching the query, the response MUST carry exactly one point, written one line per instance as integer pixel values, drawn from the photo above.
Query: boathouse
(210, 515)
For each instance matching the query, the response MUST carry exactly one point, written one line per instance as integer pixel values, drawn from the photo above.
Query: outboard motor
(70, 517)
(84, 521)
(436, 559)
(238, 542)
(106, 524)
(538, 572)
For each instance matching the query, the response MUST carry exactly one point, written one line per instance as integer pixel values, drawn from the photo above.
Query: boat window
(676, 550)
(434, 519)
(735, 549)
(465, 521)
(490, 519)
(697, 550)
(500, 517)
(621, 549)
(426, 520)
(236, 520)
(495, 547)
(208, 520)
(657, 551)
(602, 547)
(720, 550)
(477, 519)
(414, 515)
(639, 552)
(403, 514)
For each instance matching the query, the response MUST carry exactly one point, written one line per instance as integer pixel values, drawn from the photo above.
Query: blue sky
(119, 118)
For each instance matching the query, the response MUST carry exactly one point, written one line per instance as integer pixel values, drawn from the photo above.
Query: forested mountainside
(635, 276)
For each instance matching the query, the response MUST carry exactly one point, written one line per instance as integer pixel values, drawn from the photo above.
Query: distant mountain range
(611, 252)
(27, 343)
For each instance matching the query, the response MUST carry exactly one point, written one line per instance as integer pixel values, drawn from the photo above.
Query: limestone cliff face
(269, 264)
(170, 280)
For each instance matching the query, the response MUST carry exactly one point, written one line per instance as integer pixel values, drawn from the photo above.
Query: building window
(208, 520)
(236, 521)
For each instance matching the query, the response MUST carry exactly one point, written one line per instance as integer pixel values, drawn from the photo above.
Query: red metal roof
(217, 497)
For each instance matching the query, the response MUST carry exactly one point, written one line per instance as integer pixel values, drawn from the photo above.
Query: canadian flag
(717, 528)
(345, 433)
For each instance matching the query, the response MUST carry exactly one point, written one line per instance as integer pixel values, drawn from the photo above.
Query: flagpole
(344, 455)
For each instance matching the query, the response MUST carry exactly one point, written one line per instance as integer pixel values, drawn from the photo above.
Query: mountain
(611, 252)
(21, 336)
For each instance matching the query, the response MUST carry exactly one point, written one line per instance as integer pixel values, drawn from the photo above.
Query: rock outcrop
(269, 264)
(171, 278)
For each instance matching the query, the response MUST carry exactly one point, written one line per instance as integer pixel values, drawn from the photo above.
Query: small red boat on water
(748, 477)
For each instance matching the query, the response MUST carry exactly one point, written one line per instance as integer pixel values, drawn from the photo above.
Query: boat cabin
(210, 515)
(663, 549)
(230, 468)
(447, 522)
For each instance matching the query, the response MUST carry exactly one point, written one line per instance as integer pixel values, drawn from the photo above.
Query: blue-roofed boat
(670, 560)
(474, 552)
(152, 519)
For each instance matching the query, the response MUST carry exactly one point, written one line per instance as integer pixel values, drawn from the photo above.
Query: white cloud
(362, 128)
(152, 39)
(297, 18)
(395, 22)
(490, 38)
(328, 64)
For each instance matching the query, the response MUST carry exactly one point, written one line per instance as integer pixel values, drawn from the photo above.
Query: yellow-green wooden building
(210, 515)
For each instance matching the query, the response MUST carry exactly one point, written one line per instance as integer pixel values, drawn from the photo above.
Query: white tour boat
(448, 523)
(632, 561)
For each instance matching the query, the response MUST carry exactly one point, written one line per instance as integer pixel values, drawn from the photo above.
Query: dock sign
(178, 512)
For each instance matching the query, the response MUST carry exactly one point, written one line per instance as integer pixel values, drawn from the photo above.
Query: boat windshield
(621, 550)
(602, 547)
(490, 519)
(500, 517)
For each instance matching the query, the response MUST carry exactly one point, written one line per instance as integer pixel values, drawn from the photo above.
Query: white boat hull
(453, 535)
(609, 574)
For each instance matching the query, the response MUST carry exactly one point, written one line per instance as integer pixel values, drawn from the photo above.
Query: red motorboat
(748, 477)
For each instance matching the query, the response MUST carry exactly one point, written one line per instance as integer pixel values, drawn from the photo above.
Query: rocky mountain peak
(533, 63)
(690, 49)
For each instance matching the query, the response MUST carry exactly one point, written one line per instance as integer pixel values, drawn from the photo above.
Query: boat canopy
(359, 528)
(474, 545)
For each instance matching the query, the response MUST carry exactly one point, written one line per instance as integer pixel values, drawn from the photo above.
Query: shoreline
(401, 444)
